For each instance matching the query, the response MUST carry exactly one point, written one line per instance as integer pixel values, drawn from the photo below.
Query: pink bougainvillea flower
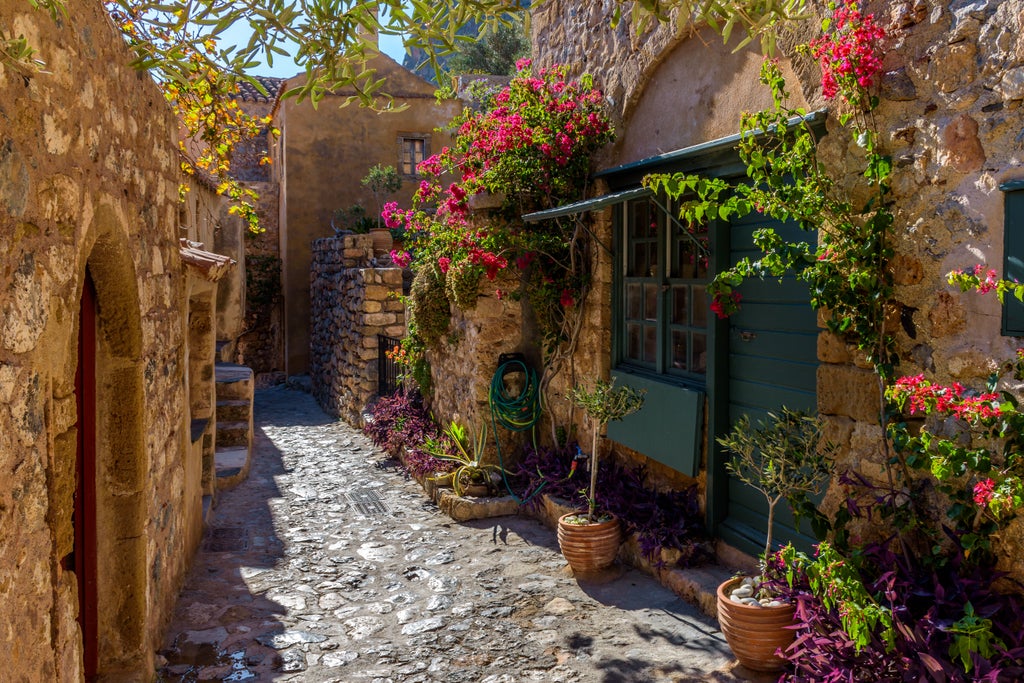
(850, 54)
(402, 259)
(983, 491)
(567, 299)
(723, 305)
(392, 215)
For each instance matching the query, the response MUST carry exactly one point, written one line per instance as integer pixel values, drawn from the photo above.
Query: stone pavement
(328, 565)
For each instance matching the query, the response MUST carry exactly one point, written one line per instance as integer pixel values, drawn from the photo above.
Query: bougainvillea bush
(529, 145)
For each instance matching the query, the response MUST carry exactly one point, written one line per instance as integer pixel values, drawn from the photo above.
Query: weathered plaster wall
(327, 151)
(950, 114)
(88, 175)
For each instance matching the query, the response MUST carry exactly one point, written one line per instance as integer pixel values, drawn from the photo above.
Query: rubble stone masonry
(353, 299)
(88, 181)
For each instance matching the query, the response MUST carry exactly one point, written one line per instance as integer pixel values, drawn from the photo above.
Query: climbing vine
(844, 258)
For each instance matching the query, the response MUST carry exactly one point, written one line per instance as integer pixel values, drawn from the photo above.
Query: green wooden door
(770, 361)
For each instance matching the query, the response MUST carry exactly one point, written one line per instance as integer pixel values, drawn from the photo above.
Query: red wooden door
(84, 519)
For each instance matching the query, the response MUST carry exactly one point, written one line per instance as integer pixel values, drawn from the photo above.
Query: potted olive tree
(787, 458)
(383, 181)
(590, 539)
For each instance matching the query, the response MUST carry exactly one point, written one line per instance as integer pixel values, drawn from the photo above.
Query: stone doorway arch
(111, 417)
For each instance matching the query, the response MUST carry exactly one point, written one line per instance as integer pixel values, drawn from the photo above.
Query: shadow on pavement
(224, 627)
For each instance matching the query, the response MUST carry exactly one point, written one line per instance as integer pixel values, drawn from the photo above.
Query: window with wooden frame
(413, 148)
(663, 311)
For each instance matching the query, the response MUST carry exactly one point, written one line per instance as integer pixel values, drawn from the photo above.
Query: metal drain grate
(227, 540)
(367, 502)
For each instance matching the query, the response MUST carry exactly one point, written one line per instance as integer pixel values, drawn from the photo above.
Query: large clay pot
(589, 547)
(755, 633)
(382, 241)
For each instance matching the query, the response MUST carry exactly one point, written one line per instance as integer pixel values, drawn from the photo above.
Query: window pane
(679, 350)
(634, 301)
(639, 265)
(700, 353)
(650, 302)
(686, 265)
(680, 295)
(700, 307)
(639, 224)
(650, 343)
(634, 338)
(702, 266)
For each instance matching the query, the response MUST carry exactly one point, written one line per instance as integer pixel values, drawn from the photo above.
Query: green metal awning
(592, 204)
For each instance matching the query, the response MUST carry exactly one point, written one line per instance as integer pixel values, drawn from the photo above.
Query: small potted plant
(471, 476)
(590, 540)
(383, 182)
(786, 457)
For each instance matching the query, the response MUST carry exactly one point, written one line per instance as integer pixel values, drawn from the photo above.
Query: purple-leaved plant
(659, 519)
(401, 421)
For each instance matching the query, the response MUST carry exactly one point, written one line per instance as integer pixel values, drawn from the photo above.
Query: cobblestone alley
(328, 564)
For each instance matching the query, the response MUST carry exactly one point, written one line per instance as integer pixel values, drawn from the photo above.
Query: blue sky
(285, 68)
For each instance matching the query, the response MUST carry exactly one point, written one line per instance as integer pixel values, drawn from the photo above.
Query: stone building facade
(107, 341)
(950, 115)
(951, 97)
(325, 153)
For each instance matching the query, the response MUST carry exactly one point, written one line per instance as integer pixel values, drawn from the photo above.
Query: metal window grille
(388, 380)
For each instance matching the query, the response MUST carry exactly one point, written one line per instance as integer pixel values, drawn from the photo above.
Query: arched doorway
(109, 512)
(84, 515)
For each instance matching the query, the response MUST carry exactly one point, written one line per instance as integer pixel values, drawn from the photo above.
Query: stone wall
(463, 364)
(353, 299)
(260, 344)
(88, 182)
(950, 114)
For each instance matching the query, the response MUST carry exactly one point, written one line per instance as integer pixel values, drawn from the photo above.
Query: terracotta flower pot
(755, 633)
(382, 241)
(476, 490)
(589, 547)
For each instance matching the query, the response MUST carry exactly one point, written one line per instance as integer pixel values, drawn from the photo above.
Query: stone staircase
(233, 454)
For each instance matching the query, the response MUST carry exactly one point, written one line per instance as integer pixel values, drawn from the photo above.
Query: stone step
(234, 382)
(235, 410)
(231, 466)
(233, 434)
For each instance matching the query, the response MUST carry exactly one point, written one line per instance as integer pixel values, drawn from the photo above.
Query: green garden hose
(515, 411)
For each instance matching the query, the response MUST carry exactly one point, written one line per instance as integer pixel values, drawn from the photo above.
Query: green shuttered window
(1013, 250)
(661, 332)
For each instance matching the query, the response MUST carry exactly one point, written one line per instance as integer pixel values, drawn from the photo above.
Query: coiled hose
(515, 412)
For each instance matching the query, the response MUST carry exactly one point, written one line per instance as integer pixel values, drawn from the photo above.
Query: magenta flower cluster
(850, 53)
(532, 144)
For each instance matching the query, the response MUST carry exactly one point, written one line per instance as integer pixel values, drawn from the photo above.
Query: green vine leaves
(843, 261)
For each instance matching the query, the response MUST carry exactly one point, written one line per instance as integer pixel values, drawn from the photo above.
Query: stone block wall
(353, 299)
(88, 183)
(462, 366)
